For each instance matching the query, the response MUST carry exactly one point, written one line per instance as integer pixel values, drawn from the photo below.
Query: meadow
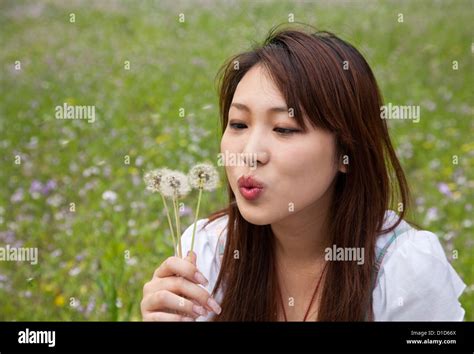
(74, 188)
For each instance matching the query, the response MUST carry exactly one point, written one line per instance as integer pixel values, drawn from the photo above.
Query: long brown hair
(328, 81)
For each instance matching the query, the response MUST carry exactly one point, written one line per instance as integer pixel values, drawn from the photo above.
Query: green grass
(173, 65)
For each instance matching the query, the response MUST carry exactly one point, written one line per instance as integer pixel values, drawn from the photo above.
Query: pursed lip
(249, 187)
(249, 182)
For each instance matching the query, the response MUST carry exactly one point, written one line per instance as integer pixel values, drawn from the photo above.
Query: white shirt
(415, 281)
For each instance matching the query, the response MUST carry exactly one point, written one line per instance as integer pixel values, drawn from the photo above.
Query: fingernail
(199, 310)
(187, 319)
(200, 278)
(214, 305)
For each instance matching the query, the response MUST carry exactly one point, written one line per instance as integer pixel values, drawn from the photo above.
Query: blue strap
(380, 256)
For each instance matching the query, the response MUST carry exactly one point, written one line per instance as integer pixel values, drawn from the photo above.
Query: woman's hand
(173, 294)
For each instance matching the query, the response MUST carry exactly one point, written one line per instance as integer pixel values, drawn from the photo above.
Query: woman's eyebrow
(243, 107)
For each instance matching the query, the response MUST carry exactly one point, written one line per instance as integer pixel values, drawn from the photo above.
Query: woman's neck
(300, 243)
(302, 237)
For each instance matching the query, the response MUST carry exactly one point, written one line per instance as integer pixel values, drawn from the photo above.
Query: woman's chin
(255, 221)
(255, 215)
(259, 215)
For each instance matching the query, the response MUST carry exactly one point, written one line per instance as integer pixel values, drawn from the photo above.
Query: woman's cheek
(305, 175)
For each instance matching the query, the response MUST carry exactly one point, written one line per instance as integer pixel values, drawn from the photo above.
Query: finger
(216, 309)
(191, 257)
(165, 316)
(166, 300)
(201, 298)
(191, 291)
(176, 266)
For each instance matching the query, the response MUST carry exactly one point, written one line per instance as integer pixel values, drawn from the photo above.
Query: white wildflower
(109, 196)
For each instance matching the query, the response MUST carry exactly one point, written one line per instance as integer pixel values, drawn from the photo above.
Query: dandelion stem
(175, 245)
(178, 228)
(196, 216)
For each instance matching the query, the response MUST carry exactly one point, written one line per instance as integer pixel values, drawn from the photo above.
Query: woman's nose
(255, 150)
(252, 159)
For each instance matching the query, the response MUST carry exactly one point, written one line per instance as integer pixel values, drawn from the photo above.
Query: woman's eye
(281, 131)
(286, 131)
(237, 125)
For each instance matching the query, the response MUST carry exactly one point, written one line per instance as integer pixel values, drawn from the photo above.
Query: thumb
(191, 257)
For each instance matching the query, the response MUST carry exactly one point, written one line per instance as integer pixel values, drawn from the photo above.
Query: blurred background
(74, 189)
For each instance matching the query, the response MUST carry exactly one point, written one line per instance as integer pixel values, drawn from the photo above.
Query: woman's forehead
(257, 88)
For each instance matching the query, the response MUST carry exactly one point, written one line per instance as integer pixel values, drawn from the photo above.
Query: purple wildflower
(36, 187)
(444, 189)
(49, 186)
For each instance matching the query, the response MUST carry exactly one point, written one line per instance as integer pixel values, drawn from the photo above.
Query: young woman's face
(295, 168)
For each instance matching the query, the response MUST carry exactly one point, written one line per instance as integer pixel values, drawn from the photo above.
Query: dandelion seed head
(154, 178)
(205, 176)
(175, 183)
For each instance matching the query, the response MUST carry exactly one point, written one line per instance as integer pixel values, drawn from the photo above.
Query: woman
(308, 234)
